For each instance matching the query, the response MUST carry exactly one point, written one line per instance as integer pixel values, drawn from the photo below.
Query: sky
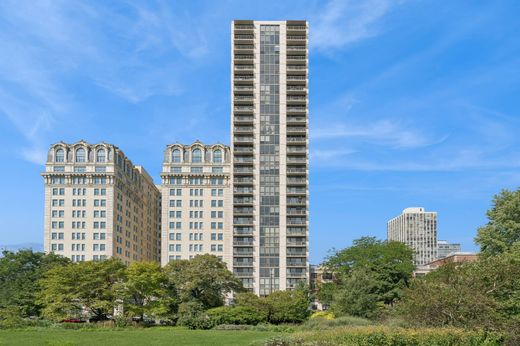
(412, 103)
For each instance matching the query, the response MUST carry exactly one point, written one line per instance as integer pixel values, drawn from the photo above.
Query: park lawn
(146, 336)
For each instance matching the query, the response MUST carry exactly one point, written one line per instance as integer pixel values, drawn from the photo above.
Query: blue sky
(412, 103)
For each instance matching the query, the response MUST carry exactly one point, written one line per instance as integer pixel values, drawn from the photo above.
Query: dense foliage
(370, 275)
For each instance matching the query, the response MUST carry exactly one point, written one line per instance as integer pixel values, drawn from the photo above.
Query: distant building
(455, 257)
(416, 228)
(318, 277)
(196, 202)
(99, 205)
(444, 248)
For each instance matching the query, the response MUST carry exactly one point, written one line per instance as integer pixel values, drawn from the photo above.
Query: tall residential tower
(416, 228)
(269, 145)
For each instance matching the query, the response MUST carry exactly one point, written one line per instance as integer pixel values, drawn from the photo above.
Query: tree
(72, 290)
(19, 285)
(147, 291)
(503, 228)
(287, 306)
(204, 279)
(369, 275)
(482, 294)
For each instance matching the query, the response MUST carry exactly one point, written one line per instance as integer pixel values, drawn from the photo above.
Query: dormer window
(217, 156)
(60, 155)
(101, 155)
(80, 155)
(196, 156)
(176, 156)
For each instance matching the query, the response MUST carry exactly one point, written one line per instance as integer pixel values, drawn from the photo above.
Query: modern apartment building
(269, 145)
(444, 248)
(196, 202)
(99, 205)
(416, 228)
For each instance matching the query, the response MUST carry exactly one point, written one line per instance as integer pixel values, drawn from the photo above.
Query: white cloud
(347, 21)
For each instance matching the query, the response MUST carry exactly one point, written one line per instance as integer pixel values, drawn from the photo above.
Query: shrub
(193, 316)
(344, 321)
(287, 307)
(234, 315)
(365, 336)
(327, 315)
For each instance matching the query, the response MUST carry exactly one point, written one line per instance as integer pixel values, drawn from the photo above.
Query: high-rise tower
(269, 143)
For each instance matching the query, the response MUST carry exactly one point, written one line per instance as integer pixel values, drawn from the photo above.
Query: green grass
(149, 336)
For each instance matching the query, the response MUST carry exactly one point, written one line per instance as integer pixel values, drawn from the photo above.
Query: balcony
(296, 231)
(243, 119)
(296, 89)
(296, 181)
(241, 230)
(243, 139)
(243, 160)
(243, 251)
(246, 89)
(296, 58)
(296, 159)
(296, 262)
(296, 201)
(296, 109)
(298, 241)
(243, 190)
(296, 273)
(297, 98)
(243, 129)
(244, 27)
(296, 139)
(243, 210)
(296, 38)
(296, 211)
(295, 220)
(244, 57)
(297, 150)
(297, 251)
(246, 78)
(296, 170)
(244, 98)
(242, 200)
(243, 150)
(295, 79)
(244, 47)
(243, 180)
(243, 170)
(296, 191)
(243, 241)
(244, 37)
(243, 262)
(296, 28)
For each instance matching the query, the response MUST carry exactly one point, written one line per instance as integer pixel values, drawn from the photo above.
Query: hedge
(374, 336)
(234, 315)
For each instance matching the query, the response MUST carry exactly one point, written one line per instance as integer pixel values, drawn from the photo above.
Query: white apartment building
(99, 205)
(416, 228)
(269, 145)
(196, 202)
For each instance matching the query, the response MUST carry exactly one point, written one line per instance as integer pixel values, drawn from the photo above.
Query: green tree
(251, 300)
(287, 306)
(503, 229)
(147, 291)
(19, 285)
(369, 275)
(89, 287)
(204, 279)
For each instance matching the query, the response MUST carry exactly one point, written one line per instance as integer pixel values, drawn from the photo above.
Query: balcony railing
(243, 139)
(246, 159)
(243, 210)
(244, 46)
(296, 262)
(296, 251)
(294, 78)
(247, 190)
(296, 27)
(296, 211)
(296, 170)
(296, 220)
(247, 77)
(244, 98)
(296, 242)
(243, 150)
(296, 200)
(291, 159)
(296, 38)
(244, 56)
(243, 251)
(241, 230)
(296, 88)
(244, 27)
(296, 48)
(244, 88)
(244, 37)
(296, 139)
(248, 242)
(296, 231)
(248, 263)
(299, 149)
(243, 170)
(296, 129)
(296, 57)
(296, 190)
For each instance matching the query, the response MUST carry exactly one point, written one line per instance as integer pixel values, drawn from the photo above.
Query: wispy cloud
(346, 21)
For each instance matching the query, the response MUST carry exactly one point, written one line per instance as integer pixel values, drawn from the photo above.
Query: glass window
(100, 155)
(217, 156)
(196, 156)
(176, 156)
(60, 155)
(80, 155)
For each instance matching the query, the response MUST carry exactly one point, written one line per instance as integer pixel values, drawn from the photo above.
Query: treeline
(373, 279)
(187, 293)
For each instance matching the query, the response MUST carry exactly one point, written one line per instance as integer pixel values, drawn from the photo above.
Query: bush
(344, 321)
(287, 307)
(193, 316)
(365, 336)
(327, 315)
(234, 315)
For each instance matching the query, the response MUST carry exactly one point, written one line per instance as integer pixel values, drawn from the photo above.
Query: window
(100, 155)
(217, 169)
(60, 155)
(196, 156)
(80, 155)
(217, 156)
(176, 156)
(176, 169)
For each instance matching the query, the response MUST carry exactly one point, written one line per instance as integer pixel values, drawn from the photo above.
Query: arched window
(196, 156)
(176, 156)
(217, 156)
(60, 155)
(80, 155)
(101, 155)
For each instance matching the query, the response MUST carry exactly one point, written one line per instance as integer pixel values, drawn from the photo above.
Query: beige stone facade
(269, 145)
(196, 202)
(99, 205)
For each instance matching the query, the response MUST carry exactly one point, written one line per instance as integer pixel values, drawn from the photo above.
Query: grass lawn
(149, 336)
